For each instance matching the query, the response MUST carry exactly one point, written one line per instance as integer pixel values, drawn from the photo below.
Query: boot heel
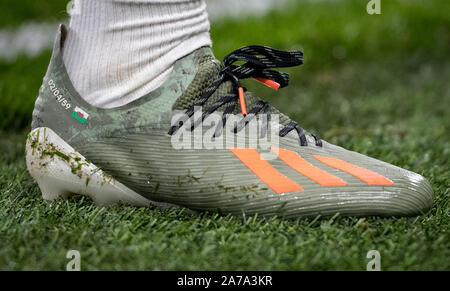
(60, 171)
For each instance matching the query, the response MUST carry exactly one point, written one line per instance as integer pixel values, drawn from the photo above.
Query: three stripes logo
(282, 184)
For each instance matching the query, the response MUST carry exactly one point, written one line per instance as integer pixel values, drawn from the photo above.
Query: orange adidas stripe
(321, 177)
(263, 170)
(365, 175)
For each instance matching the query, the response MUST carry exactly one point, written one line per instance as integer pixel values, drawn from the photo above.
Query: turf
(374, 84)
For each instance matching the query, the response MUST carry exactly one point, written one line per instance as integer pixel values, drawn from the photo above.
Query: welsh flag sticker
(80, 114)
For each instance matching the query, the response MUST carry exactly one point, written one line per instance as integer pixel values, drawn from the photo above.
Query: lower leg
(120, 50)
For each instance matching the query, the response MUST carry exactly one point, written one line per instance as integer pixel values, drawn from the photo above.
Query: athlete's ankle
(117, 51)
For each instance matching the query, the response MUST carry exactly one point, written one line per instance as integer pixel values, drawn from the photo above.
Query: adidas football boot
(204, 143)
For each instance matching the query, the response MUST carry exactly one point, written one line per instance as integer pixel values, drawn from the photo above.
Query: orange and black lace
(259, 62)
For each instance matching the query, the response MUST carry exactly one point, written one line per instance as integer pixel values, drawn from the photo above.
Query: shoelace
(259, 61)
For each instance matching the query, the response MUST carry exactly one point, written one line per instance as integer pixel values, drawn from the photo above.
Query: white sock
(119, 50)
